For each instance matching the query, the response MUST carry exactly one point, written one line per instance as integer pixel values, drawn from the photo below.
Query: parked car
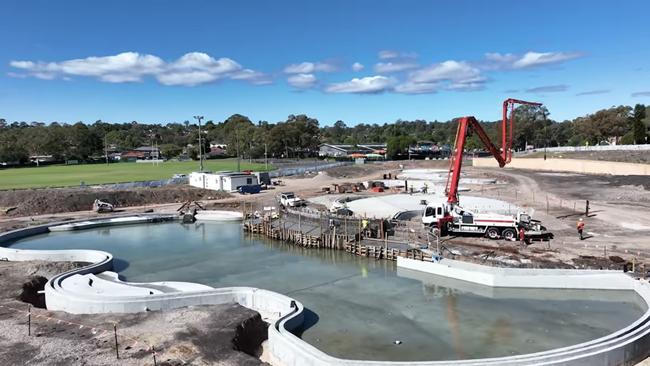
(289, 199)
(250, 188)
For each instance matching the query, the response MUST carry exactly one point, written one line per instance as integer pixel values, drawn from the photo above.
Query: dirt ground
(199, 335)
(617, 228)
(33, 202)
(618, 224)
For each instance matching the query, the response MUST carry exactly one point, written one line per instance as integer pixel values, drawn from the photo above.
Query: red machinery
(449, 218)
(470, 124)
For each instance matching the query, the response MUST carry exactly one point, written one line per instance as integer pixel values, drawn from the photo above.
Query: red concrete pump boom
(470, 124)
(508, 126)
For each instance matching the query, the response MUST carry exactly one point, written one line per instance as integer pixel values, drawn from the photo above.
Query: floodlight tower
(199, 118)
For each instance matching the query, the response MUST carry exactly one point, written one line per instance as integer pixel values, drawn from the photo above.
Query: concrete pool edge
(619, 348)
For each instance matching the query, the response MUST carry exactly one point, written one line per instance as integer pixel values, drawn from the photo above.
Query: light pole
(199, 118)
(237, 147)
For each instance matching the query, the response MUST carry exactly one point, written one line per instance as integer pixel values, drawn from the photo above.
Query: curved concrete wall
(620, 348)
(569, 165)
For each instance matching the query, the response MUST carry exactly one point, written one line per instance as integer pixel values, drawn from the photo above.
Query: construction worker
(581, 227)
(426, 188)
(364, 226)
(522, 236)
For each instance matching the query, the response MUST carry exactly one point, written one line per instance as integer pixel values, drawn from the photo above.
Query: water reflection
(358, 307)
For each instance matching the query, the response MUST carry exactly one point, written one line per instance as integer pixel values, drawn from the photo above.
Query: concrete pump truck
(449, 218)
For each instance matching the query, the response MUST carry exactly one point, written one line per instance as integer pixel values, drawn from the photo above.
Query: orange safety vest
(581, 225)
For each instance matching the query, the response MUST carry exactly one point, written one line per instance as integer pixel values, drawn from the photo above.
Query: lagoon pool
(358, 307)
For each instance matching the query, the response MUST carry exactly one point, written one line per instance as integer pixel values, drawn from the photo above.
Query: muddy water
(359, 308)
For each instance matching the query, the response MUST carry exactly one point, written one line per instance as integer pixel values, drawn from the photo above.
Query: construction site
(509, 258)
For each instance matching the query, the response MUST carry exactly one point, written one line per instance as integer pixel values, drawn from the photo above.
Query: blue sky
(359, 61)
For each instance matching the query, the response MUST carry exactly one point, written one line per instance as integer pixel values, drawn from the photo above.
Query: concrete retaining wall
(569, 165)
(624, 347)
(644, 147)
(522, 277)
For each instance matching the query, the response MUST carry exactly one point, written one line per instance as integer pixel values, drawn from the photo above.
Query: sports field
(73, 175)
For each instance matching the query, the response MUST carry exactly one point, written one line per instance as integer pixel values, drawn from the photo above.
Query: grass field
(73, 175)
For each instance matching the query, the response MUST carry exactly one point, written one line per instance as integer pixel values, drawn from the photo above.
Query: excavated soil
(227, 334)
(47, 201)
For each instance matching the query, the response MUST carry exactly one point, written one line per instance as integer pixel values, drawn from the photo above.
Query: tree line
(301, 135)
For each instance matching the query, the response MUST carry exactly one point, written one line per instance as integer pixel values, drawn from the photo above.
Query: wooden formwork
(332, 241)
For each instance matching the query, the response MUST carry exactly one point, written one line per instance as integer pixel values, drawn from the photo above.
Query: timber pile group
(309, 231)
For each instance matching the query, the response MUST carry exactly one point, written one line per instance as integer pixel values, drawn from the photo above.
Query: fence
(94, 333)
(644, 147)
(287, 171)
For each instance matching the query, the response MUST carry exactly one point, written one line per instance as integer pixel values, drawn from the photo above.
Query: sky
(361, 61)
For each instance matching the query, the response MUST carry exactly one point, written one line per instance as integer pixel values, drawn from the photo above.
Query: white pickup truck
(289, 199)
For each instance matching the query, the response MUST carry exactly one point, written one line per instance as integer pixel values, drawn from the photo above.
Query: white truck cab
(445, 218)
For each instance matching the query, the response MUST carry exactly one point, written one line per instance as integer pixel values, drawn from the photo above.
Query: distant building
(222, 181)
(219, 145)
(343, 150)
(428, 149)
(41, 159)
(143, 152)
(216, 151)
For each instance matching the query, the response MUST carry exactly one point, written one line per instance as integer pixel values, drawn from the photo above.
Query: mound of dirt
(31, 291)
(322, 176)
(48, 201)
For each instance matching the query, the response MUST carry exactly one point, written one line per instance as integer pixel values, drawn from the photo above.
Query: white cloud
(449, 75)
(390, 54)
(417, 88)
(187, 78)
(203, 61)
(501, 58)
(357, 66)
(387, 54)
(310, 67)
(196, 68)
(191, 69)
(365, 85)
(388, 67)
(548, 89)
(302, 81)
(495, 61)
(123, 67)
(531, 59)
(252, 76)
(641, 94)
(447, 70)
(476, 83)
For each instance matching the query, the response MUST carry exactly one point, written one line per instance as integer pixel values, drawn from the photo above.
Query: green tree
(638, 127)
(170, 150)
(397, 146)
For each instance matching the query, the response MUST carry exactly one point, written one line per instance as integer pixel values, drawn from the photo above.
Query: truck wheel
(492, 233)
(509, 234)
(435, 231)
